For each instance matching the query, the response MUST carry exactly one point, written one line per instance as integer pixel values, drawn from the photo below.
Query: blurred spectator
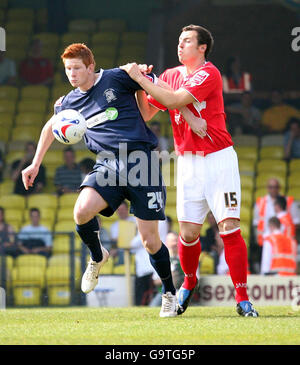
(287, 225)
(264, 210)
(35, 238)
(163, 143)
(279, 252)
(86, 166)
(169, 223)
(7, 237)
(243, 116)
(276, 117)
(19, 165)
(177, 273)
(292, 139)
(143, 267)
(235, 81)
(123, 214)
(104, 235)
(68, 177)
(8, 72)
(222, 267)
(36, 69)
(211, 242)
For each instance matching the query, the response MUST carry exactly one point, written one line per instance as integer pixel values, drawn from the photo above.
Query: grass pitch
(143, 326)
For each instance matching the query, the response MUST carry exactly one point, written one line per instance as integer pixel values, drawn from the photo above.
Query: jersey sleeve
(58, 105)
(153, 101)
(127, 81)
(201, 84)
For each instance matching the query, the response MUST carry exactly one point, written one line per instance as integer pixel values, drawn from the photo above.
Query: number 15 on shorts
(230, 200)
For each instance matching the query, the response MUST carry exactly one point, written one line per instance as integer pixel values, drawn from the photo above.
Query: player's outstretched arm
(147, 110)
(46, 138)
(169, 98)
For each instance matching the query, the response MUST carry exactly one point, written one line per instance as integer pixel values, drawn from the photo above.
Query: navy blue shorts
(135, 177)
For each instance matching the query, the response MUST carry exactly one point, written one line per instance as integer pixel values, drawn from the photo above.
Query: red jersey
(205, 85)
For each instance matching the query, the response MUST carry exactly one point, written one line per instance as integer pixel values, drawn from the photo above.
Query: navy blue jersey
(111, 112)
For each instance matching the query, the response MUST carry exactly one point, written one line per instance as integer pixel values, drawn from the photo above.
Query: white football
(68, 126)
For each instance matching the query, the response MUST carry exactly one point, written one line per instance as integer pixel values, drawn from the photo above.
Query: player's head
(79, 64)
(194, 41)
(280, 204)
(274, 224)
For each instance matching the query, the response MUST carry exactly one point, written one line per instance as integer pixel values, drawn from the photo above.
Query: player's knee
(189, 232)
(151, 243)
(80, 215)
(228, 224)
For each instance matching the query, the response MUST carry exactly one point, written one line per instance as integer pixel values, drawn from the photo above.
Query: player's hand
(133, 71)
(28, 176)
(199, 126)
(145, 69)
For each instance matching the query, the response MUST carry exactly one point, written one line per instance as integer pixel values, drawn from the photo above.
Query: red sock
(236, 257)
(189, 253)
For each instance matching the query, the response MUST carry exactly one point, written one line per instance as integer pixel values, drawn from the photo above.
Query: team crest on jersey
(110, 95)
(199, 78)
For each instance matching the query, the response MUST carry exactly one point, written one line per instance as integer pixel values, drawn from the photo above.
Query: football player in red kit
(207, 172)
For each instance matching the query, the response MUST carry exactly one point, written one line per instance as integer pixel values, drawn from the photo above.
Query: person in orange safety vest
(287, 225)
(279, 251)
(264, 209)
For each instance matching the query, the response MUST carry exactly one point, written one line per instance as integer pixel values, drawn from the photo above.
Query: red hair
(79, 50)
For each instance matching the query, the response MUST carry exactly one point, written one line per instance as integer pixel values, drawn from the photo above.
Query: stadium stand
(260, 157)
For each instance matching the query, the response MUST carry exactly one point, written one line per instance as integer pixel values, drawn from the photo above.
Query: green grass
(142, 326)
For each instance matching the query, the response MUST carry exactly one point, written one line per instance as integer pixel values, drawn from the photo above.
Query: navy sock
(89, 235)
(161, 263)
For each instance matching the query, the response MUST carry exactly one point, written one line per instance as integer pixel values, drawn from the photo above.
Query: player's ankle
(189, 282)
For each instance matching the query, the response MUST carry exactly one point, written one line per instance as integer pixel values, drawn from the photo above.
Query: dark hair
(274, 221)
(34, 210)
(69, 149)
(124, 202)
(281, 202)
(204, 36)
(294, 120)
(30, 143)
(155, 123)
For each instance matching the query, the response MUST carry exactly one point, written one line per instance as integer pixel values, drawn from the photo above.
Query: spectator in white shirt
(144, 270)
(35, 238)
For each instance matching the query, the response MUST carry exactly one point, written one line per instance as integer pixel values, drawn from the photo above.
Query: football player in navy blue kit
(106, 99)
